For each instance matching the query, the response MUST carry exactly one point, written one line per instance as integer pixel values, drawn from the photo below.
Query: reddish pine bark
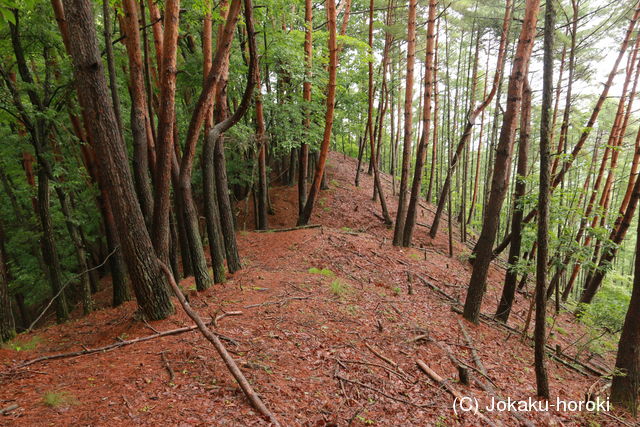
(304, 217)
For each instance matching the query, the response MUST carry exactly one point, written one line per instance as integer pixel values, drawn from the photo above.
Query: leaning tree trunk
(626, 384)
(478, 282)
(149, 284)
(138, 110)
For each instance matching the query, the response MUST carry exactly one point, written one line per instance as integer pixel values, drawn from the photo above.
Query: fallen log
(447, 386)
(254, 399)
(281, 230)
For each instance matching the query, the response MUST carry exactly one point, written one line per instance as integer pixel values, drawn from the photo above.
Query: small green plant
(24, 346)
(339, 288)
(414, 255)
(324, 272)
(397, 290)
(56, 399)
(365, 421)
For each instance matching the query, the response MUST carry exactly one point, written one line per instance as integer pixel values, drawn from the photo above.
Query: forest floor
(321, 308)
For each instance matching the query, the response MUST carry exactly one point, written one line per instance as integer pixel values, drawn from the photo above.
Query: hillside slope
(321, 310)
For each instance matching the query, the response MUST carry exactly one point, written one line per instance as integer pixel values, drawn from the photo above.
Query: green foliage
(339, 288)
(57, 399)
(609, 306)
(324, 272)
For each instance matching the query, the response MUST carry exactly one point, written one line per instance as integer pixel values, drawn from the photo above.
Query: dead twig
(167, 366)
(381, 356)
(223, 315)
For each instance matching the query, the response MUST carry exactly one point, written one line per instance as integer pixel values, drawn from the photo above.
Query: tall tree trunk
(49, 250)
(306, 96)
(149, 285)
(625, 385)
(421, 152)
(162, 181)
(401, 214)
(478, 282)
(211, 209)
(138, 110)
(7, 324)
(542, 381)
(511, 276)
(304, 217)
(374, 157)
(113, 86)
(263, 185)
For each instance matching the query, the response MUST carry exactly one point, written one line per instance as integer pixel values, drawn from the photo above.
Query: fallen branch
(474, 352)
(225, 314)
(447, 386)
(280, 230)
(8, 409)
(381, 356)
(254, 399)
(437, 289)
(108, 347)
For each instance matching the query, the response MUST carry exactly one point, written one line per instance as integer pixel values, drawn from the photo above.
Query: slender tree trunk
(211, 208)
(7, 324)
(138, 110)
(374, 156)
(49, 250)
(303, 219)
(263, 185)
(306, 96)
(421, 152)
(542, 381)
(478, 282)
(115, 98)
(162, 181)
(511, 276)
(408, 125)
(626, 384)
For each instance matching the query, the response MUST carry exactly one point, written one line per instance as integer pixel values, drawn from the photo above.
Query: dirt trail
(317, 305)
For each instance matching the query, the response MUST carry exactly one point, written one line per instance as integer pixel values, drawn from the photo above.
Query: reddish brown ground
(303, 337)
